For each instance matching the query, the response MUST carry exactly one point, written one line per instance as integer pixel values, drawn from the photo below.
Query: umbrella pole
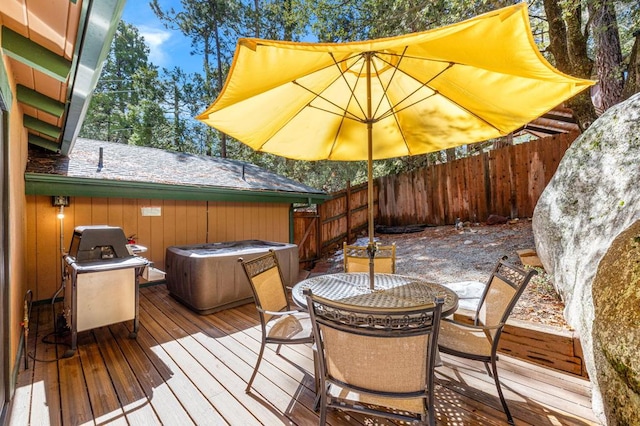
(371, 248)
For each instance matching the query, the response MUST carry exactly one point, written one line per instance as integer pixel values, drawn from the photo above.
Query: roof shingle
(121, 162)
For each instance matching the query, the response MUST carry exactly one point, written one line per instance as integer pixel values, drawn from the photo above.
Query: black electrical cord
(60, 330)
(60, 325)
(56, 335)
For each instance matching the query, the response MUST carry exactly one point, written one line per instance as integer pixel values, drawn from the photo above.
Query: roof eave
(98, 24)
(46, 184)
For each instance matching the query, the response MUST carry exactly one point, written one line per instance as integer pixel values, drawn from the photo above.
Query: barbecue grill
(104, 275)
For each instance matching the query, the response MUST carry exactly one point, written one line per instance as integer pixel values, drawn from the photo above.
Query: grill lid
(99, 243)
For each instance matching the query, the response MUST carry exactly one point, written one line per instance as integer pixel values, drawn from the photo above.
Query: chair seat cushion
(457, 337)
(291, 327)
(469, 293)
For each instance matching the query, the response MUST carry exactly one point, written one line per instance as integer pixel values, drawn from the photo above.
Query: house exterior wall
(16, 162)
(180, 223)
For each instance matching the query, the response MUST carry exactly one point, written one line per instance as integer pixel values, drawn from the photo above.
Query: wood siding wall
(180, 223)
(506, 181)
(15, 278)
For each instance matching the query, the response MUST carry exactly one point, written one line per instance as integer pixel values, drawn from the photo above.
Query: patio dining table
(391, 290)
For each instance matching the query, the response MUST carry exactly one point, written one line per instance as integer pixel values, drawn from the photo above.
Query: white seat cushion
(297, 326)
(469, 293)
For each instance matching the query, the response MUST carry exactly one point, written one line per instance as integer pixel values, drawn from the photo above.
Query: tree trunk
(218, 46)
(504, 141)
(557, 35)
(632, 85)
(208, 89)
(568, 45)
(450, 154)
(580, 63)
(608, 53)
(288, 25)
(176, 116)
(256, 4)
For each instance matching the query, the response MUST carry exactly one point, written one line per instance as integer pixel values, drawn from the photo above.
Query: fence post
(319, 253)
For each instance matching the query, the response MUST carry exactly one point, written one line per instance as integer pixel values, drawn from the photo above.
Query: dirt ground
(445, 254)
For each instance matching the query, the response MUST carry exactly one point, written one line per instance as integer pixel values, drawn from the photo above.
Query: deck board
(129, 393)
(155, 391)
(231, 333)
(105, 406)
(168, 351)
(185, 368)
(46, 405)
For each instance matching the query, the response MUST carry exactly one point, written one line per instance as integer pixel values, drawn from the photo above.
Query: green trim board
(46, 184)
(292, 230)
(5, 88)
(39, 101)
(28, 52)
(43, 143)
(41, 127)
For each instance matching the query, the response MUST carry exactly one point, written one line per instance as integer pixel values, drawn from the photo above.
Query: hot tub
(208, 277)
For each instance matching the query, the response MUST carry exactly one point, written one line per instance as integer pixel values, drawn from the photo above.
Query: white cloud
(156, 39)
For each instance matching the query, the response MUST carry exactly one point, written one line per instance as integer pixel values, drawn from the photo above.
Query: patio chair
(479, 341)
(376, 361)
(280, 325)
(356, 258)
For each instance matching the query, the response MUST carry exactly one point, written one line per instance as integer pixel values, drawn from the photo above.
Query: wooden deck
(185, 368)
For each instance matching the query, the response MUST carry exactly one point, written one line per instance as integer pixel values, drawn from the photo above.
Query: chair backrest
(388, 352)
(356, 258)
(505, 286)
(267, 284)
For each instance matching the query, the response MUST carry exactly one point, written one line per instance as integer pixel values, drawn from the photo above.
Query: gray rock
(592, 198)
(495, 219)
(616, 335)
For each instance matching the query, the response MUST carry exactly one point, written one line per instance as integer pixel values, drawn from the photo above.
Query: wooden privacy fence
(338, 219)
(506, 181)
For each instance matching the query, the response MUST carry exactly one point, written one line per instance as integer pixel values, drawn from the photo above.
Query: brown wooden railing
(506, 181)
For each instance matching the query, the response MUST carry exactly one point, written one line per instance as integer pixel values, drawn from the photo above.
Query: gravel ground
(444, 254)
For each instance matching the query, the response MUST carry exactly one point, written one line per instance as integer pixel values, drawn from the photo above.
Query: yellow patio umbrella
(412, 94)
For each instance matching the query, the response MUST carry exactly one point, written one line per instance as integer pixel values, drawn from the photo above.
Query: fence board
(507, 181)
(306, 237)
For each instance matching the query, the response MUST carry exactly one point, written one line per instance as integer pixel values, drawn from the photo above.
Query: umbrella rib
(396, 68)
(385, 91)
(318, 95)
(394, 111)
(347, 114)
(468, 111)
(352, 89)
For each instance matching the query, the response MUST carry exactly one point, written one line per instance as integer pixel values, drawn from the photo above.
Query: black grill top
(98, 243)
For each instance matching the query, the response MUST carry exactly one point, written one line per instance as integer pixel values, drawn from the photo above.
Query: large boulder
(593, 197)
(616, 328)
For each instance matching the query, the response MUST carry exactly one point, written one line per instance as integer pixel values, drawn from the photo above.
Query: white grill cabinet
(102, 277)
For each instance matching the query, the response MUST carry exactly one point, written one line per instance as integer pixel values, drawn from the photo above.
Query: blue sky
(168, 48)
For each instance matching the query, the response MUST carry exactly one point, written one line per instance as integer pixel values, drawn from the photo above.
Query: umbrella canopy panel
(423, 92)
